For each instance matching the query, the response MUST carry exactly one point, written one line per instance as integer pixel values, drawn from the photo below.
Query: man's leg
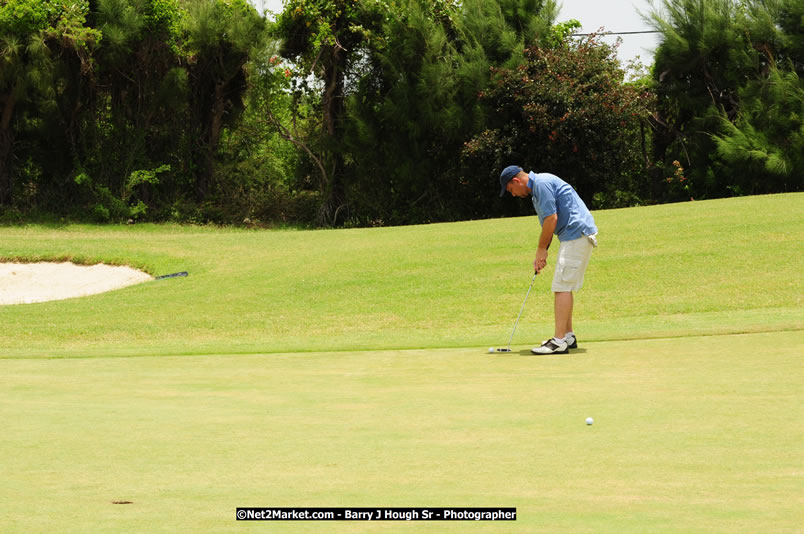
(573, 257)
(563, 313)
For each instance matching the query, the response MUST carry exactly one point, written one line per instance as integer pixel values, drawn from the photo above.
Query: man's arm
(548, 227)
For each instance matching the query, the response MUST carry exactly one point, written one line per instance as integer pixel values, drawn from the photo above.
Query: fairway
(697, 435)
(349, 368)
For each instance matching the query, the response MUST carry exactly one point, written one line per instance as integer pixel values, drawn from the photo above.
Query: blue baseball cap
(506, 175)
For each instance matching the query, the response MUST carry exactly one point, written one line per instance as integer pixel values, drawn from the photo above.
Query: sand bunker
(24, 283)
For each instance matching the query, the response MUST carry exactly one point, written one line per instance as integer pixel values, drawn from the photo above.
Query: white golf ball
(589, 420)
(491, 349)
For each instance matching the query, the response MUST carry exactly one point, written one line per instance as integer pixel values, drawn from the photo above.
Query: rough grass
(715, 267)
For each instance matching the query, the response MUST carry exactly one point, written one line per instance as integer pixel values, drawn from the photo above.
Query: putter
(508, 348)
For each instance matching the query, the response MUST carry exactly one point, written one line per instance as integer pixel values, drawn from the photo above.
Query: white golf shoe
(551, 346)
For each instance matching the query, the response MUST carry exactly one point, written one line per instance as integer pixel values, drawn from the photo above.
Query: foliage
(36, 38)
(405, 119)
(278, 136)
(560, 34)
(221, 36)
(326, 39)
(263, 170)
(766, 142)
(124, 114)
(156, 91)
(24, 16)
(716, 62)
(788, 17)
(349, 112)
(565, 111)
(499, 31)
(417, 103)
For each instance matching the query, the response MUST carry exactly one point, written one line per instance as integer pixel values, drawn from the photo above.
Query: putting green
(695, 434)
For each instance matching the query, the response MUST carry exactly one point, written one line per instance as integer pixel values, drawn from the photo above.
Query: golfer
(561, 212)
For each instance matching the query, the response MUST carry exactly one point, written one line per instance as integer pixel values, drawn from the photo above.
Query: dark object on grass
(173, 275)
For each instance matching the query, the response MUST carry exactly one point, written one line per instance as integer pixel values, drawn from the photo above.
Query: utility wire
(613, 33)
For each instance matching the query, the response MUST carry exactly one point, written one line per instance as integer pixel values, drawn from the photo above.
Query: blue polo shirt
(550, 194)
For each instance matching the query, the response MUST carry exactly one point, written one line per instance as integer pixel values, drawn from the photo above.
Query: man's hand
(541, 260)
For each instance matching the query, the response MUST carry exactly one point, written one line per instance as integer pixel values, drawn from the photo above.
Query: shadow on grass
(527, 352)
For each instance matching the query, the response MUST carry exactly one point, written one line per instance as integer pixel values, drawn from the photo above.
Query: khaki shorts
(573, 257)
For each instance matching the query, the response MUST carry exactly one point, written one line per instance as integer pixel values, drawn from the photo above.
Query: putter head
(502, 350)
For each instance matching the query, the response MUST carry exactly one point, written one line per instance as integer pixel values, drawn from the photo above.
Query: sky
(612, 15)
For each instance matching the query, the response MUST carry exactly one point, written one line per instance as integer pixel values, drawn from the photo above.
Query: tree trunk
(333, 192)
(662, 139)
(6, 142)
(205, 176)
(6, 145)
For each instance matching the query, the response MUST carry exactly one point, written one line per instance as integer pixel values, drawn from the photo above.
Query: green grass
(695, 435)
(698, 268)
(347, 368)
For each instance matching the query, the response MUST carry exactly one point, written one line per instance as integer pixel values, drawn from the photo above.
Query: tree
(134, 108)
(766, 141)
(417, 103)
(566, 110)
(264, 170)
(761, 149)
(789, 19)
(500, 30)
(221, 37)
(32, 35)
(325, 38)
(715, 58)
(700, 64)
(405, 119)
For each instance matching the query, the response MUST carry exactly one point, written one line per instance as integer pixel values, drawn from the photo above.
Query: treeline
(346, 112)
(730, 97)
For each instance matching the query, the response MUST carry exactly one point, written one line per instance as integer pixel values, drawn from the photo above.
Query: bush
(566, 111)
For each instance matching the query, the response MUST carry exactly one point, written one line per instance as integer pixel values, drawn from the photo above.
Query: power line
(614, 33)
